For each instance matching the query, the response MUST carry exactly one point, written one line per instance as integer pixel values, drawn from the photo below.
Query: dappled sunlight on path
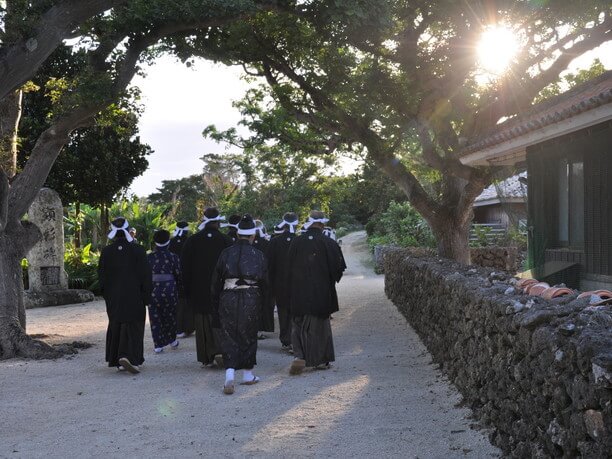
(310, 420)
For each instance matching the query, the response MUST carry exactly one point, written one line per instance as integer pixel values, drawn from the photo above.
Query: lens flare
(497, 46)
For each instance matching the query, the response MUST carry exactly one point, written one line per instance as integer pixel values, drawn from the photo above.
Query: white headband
(291, 225)
(314, 220)
(124, 228)
(162, 245)
(208, 220)
(229, 225)
(179, 231)
(247, 232)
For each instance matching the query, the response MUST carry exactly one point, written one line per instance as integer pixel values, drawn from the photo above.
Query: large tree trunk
(452, 236)
(14, 342)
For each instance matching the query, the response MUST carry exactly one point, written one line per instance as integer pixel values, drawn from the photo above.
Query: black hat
(161, 238)
(290, 217)
(290, 221)
(119, 229)
(181, 229)
(211, 215)
(233, 221)
(246, 226)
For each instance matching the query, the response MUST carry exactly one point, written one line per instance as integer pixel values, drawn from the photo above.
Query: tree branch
(20, 61)
(514, 95)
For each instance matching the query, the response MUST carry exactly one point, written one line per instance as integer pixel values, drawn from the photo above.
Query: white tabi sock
(247, 375)
(229, 375)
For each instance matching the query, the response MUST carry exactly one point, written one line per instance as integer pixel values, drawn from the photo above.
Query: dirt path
(382, 398)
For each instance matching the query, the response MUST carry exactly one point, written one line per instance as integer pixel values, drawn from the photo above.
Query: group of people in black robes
(224, 286)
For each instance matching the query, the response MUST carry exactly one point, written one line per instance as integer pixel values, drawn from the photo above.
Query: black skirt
(125, 339)
(206, 339)
(238, 314)
(185, 320)
(312, 340)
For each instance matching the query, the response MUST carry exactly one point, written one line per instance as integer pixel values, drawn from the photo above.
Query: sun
(497, 46)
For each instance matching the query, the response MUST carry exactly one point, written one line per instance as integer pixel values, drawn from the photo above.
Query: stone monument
(48, 282)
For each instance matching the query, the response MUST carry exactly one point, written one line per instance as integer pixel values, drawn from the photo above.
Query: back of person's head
(290, 217)
(161, 238)
(212, 218)
(246, 227)
(119, 229)
(317, 215)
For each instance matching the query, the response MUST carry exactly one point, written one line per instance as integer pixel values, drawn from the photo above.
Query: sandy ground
(383, 397)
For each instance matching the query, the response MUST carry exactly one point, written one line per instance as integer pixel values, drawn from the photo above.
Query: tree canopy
(402, 80)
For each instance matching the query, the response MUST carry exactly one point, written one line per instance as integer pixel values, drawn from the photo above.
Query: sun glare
(498, 45)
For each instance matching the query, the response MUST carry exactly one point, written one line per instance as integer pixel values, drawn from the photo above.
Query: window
(571, 203)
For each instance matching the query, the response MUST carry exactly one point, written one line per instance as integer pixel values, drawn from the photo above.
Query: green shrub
(401, 225)
(82, 268)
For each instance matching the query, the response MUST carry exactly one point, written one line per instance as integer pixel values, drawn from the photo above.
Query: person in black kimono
(166, 268)
(125, 280)
(184, 314)
(316, 264)
(266, 319)
(199, 259)
(278, 268)
(232, 227)
(238, 289)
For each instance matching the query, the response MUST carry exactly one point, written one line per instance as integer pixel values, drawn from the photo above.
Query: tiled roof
(582, 98)
(509, 188)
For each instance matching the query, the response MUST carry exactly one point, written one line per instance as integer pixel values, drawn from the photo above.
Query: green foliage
(401, 225)
(145, 217)
(570, 80)
(483, 237)
(187, 197)
(99, 161)
(81, 265)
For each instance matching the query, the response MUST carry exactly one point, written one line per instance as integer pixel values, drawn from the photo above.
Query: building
(503, 203)
(565, 144)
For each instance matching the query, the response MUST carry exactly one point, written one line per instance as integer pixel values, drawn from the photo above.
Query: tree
(116, 37)
(403, 80)
(187, 196)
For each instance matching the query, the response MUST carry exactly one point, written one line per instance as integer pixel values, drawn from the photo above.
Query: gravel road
(382, 398)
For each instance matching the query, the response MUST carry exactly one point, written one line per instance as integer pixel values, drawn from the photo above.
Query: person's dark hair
(161, 236)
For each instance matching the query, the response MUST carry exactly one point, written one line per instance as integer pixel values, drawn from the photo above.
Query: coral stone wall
(506, 258)
(539, 372)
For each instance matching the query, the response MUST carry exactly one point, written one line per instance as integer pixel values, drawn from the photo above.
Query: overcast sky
(180, 102)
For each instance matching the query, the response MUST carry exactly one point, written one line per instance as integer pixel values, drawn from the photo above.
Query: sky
(180, 102)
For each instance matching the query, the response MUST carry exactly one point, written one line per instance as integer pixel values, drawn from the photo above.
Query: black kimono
(125, 280)
(316, 265)
(184, 314)
(278, 270)
(238, 288)
(199, 258)
(266, 319)
(232, 233)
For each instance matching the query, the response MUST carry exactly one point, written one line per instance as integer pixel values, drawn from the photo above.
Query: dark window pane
(563, 191)
(576, 205)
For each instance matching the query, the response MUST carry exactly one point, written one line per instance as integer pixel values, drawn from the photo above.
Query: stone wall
(538, 372)
(506, 258)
